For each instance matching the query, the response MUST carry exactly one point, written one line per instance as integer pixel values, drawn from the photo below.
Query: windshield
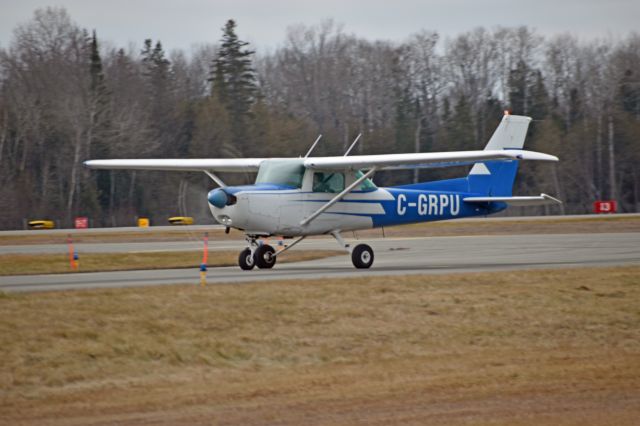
(281, 172)
(366, 185)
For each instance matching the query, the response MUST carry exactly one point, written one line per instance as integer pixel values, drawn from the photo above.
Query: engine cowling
(219, 198)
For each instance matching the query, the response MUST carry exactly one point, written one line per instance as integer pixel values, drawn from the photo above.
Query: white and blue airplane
(299, 197)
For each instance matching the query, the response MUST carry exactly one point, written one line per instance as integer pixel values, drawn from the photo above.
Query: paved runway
(192, 239)
(393, 256)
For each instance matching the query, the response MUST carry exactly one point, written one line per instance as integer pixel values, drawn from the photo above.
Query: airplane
(305, 196)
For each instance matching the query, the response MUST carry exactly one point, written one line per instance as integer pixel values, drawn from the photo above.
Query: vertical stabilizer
(510, 133)
(496, 177)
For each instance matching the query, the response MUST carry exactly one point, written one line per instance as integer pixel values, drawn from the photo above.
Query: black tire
(264, 258)
(245, 260)
(362, 256)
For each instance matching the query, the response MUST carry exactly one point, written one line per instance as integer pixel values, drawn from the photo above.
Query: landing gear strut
(361, 255)
(264, 256)
(260, 255)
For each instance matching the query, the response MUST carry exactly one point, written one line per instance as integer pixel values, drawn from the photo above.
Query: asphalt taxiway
(393, 257)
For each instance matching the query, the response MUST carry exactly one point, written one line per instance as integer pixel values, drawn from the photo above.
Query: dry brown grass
(29, 264)
(513, 348)
(569, 225)
(476, 227)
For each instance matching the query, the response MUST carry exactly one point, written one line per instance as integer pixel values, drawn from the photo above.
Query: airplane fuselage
(265, 210)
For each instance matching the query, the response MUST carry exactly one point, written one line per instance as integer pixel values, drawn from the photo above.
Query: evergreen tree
(539, 98)
(95, 66)
(527, 92)
(233, 82)
(461, 132)
(157, 70)
(629, 94)
(160, 97)
(98, 97)
(95, 186)
(405, 121)
(626, 125)
(493, 112)
(407, 111)
(575, 107)
(518, 89)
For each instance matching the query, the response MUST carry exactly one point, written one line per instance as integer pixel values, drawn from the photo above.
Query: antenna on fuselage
(313, 146)
(353, 144)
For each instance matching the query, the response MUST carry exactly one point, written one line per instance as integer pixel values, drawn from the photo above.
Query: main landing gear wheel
(264, 258)
(362, 256)
(246, 260)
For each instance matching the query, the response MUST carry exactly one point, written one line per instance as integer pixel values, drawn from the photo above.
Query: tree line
(67, 96)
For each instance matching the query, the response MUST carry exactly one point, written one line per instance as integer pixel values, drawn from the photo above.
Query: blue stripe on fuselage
(410, 206)
(259, 187)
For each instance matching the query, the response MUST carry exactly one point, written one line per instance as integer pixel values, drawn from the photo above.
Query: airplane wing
(183, 165)
(355, 162)
(422, 160)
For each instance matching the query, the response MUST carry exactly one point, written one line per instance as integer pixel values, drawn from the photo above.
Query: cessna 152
(299, 197)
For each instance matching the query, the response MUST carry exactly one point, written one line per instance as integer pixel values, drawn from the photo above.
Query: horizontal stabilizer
(516, 201)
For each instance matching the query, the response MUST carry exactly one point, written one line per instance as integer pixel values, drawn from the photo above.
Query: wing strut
(313, 146)
(215, 178)
(353, 144)
(338, 197)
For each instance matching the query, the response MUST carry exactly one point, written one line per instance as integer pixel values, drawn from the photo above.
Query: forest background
(67, 96)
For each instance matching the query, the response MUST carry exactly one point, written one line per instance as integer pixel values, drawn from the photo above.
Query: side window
(328, 182)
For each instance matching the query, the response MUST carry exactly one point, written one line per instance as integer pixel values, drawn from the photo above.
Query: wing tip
(550, 198)
(532, 155)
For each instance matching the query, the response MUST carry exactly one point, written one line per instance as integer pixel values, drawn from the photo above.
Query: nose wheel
(245, 260)
(263, 256)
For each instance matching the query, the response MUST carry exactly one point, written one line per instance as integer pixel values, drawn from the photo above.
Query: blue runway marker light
(75, 255)
(203, 274)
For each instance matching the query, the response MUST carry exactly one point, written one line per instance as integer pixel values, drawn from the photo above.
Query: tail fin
(495, 178)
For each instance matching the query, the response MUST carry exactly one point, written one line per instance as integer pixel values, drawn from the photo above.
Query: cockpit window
(366, 185)
(281, 172)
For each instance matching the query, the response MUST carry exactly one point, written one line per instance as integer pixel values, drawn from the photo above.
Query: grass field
(29, 264)
(555, 347)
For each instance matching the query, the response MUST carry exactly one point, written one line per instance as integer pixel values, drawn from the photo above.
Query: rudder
(495, 178)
